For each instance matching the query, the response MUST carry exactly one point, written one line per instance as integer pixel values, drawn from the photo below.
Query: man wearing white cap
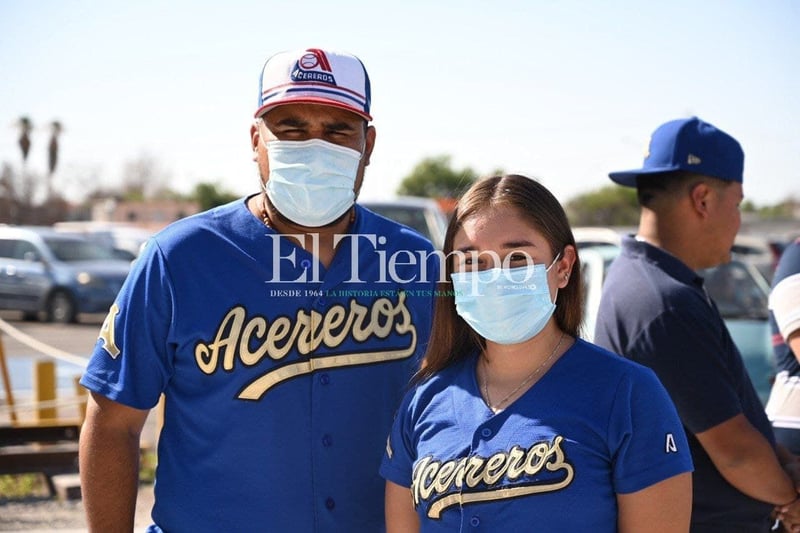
(281, 328)
(655, 310)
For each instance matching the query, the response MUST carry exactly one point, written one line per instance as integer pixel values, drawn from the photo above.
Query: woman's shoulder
(596, 359)
(456, 375)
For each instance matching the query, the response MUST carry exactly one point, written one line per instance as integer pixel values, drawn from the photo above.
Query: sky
(564, 91)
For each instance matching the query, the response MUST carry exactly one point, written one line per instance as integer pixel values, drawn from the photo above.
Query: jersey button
(305, 263)
(330, 504)
(474, 521)
(324, 379)
(486, 433)
(321, 302)
(327, 441)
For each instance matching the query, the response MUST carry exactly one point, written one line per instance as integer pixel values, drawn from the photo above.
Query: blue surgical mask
(505, 305)
(311, 182)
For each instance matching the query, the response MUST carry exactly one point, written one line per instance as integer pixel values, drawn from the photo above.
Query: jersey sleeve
(399, 455)
(646, 437)
(131, 361)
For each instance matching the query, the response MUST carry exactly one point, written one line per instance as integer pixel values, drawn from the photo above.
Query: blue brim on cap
(690, 145)
(629, 178)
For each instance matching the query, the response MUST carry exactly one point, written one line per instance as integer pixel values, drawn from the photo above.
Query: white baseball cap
(314, 76)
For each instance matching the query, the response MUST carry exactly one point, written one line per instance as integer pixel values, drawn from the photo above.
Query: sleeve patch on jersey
(670, 446)
(107, 332)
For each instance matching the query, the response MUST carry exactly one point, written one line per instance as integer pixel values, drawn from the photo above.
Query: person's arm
(665, 507)
(793, 341)
(747, 461)
(784, 300)
(109, 463)
(400, 514)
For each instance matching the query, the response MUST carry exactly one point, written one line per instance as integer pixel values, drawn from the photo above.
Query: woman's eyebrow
(465, 249)
(518, 244)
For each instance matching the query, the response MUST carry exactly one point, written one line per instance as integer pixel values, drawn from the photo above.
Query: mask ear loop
(558, 256)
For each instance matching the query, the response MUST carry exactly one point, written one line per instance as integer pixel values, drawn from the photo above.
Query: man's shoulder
(221, 219)
(789, 263)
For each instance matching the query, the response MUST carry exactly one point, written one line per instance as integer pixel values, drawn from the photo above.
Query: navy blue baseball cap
(692, 145)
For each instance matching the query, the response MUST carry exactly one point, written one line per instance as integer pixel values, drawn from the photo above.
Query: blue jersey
(280, 376)
(655, 311)
(593, 426)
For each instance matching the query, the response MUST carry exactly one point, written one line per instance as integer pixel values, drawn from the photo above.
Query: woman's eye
(468, 264)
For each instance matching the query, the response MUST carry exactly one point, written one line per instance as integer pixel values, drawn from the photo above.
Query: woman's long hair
(451, 337)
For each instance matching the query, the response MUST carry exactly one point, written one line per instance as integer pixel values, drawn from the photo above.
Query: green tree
(433, 177)
(780, 211)
(209, 195)
(608, 206)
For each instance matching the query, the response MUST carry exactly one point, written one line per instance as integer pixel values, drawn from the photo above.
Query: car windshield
(736, 291)
(409, 216)
(72, 250)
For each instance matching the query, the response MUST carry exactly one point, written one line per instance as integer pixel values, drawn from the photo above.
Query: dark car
(59, 275)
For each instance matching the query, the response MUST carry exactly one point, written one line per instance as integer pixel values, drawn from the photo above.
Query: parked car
(763, 253)
(420, 214)
(43, 271)
(738, 288)
(758, 250)
(125, 240)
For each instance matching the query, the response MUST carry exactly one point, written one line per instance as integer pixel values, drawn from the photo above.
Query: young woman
(516, 424)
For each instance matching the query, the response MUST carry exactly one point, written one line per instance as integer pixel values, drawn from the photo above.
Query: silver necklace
(497, 407)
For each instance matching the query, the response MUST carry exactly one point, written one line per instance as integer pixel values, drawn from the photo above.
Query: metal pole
(7, 383)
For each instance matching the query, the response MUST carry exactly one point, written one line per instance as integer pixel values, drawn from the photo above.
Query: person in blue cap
(654, 310)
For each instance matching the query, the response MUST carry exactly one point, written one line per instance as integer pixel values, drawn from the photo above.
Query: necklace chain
(264, 215)
(525, 381)
(268, 222)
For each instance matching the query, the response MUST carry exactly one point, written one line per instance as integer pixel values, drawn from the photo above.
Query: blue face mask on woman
(505, 305)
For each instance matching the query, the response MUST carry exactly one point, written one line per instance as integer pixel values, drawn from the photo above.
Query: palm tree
(52, 153)
(25, 127)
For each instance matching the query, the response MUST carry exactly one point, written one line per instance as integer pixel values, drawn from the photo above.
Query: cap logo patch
(694, 160)
(313, 66)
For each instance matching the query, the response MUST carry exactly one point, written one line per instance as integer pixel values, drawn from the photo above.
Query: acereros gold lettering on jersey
(250, 340)
(453, 482)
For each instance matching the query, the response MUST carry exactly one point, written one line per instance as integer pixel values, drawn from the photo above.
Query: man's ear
(700, 196)
(255, 137)
(369, 144)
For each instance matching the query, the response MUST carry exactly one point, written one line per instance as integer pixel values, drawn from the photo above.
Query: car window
(70, 250)
(735, 291)
(412, 217)
(26, 250)
(7, 247)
